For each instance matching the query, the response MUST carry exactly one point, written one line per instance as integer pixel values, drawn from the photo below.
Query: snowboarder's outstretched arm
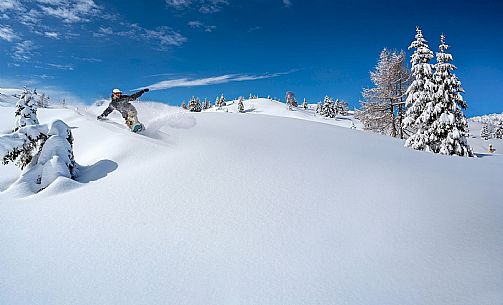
(136, 95)
(107, 111)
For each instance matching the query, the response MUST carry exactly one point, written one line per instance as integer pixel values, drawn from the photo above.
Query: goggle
(117, 93)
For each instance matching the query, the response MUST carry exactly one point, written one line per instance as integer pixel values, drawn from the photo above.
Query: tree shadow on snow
(483, 155)
(96, 171)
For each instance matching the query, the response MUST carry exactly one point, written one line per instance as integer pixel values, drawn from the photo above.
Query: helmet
(116, 91)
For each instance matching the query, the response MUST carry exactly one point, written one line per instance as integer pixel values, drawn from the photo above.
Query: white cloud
(255, 28)
(204, 6)
(31, 18)
(164, 36)
(70, 11)
(6, 5)
(212, 6)
(52, 35)
(185, 82)
(287, 3)
(178, 4)
(7, 34)
(87, 59)
(62, 67)
(23, 51)
(200, 25)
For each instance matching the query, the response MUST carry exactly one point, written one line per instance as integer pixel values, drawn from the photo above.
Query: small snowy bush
(26, 110)
(195, 105)
(220, 102)
(341, 107)
(241, 106)
(328, 108)
(44, 152)
(305, 106)
(291, 102)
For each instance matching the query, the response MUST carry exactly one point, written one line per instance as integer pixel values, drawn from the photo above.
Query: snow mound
(271, 107)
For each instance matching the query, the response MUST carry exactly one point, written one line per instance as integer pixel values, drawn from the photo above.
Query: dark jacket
(122, 104)
(126, 98)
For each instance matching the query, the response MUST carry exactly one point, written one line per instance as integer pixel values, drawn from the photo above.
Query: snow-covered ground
(251, 208)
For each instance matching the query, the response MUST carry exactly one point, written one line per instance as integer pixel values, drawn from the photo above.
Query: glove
(146, 90)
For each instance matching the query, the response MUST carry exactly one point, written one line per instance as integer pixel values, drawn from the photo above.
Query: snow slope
(231, 208)
(7, 97)
(272, 107)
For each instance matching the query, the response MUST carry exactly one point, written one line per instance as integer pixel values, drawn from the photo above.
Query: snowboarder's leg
(130, 115)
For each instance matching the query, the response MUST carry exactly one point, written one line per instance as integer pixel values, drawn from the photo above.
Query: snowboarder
(122, 104)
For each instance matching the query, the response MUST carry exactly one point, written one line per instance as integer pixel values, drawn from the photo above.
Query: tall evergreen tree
(420, 93)
(241, 106)
(449, 128)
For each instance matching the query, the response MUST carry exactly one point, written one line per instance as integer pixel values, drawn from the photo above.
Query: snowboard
(137, 127)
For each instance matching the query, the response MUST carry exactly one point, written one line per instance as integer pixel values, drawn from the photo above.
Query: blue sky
(82, 49)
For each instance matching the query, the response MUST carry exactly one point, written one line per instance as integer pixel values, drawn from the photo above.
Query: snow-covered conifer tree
(304, 104)
(206, 104)
(241, 106)
(498, 133)
(26, 110)
(328, 108)
(44, 152)
(220, 102)
(195, 105)
(446, 123)
(42, 99)
(420, 93)
(341, 107)
(485, 133)
(318, 108)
